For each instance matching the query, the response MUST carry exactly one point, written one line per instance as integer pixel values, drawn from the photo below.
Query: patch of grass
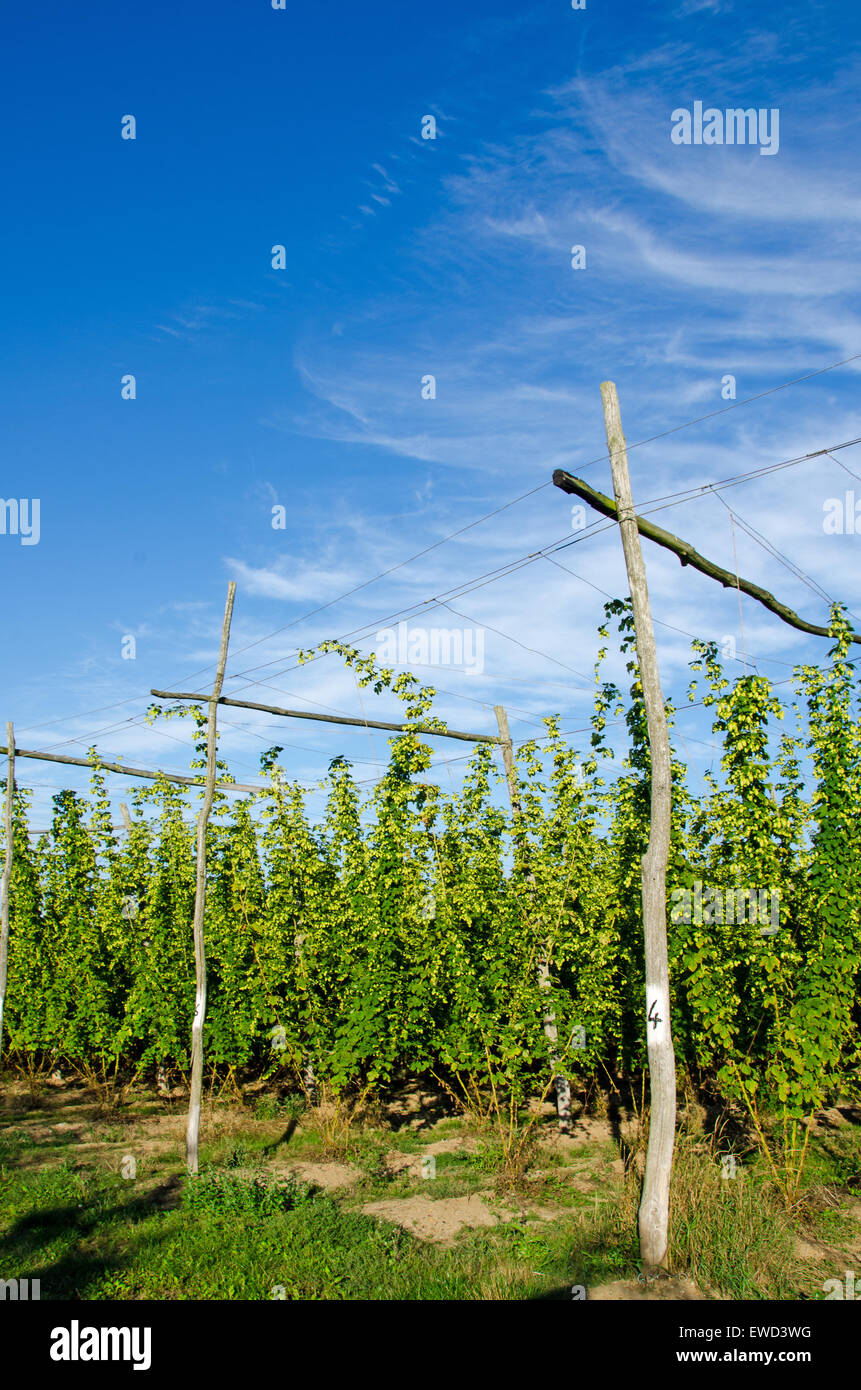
(487, 1158)
(369, 1152)
(533, 1244)
(585, 1248)
(834, 1225)
(267, 1108)
(90, 1238)
(12, 1142)
(451, 1127)
(446, 1185)
(604, 1246)
(559, 1189)
(226, 1193)
(271, 1107)
(452, 1162)
(234, 1151)
(733, 1235)
(834, 1158)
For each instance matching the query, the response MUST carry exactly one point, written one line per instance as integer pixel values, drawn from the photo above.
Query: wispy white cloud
(195, 318)
(712, 6)
(288, 579)
(388, 182)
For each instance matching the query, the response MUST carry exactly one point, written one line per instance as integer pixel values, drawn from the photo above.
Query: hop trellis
(402, 932)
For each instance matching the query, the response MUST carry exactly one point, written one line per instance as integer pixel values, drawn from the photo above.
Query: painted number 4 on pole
(657, 1012)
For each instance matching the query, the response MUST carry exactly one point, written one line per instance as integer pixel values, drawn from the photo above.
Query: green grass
(737, 1237)
(241, 1232)
(834, 1158)
(227, 1193)
(230, 1237)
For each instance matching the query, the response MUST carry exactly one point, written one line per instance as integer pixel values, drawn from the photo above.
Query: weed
(224, 1193)
(733, 1234)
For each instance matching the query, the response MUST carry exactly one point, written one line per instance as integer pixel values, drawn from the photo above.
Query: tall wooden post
(193, 1130)
(6, 880)
(655, 1201)
(561, 1083)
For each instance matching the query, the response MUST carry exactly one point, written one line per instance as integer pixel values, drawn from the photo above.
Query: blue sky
(408, 257)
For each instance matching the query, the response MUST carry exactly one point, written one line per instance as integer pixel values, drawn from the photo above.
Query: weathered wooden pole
(688, 556)
(6, 880)
(560, 1082)
(104, 766)
(193, 1130)
(655, 1200)
(330, 718)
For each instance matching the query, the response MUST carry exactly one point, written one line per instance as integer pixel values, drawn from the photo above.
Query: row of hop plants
(406, 929)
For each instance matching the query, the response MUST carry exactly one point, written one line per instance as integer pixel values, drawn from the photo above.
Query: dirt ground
(418, 1165)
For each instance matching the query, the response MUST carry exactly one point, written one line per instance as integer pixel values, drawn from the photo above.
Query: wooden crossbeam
(128, 771)
(688, 556)
(331, 718)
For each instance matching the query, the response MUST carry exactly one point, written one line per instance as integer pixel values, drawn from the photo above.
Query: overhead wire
(486, 516)
(646, 508)
(512, 567)
(638, 444)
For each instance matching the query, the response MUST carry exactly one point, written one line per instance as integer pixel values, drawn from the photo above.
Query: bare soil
(568, 1174)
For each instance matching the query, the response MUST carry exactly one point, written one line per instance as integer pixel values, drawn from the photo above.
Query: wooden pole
(688, 556)
(129, 771)
(6, 880)
(560, 1082)
(655, 1200)
(193, 1130)
(330, 718)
